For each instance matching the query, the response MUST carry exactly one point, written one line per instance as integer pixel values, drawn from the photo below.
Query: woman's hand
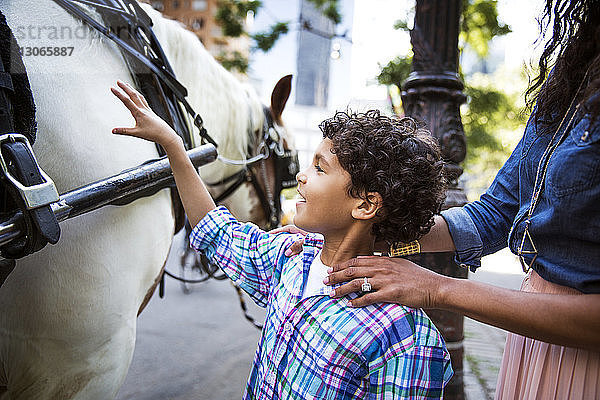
(296, 247)
(393, 280)
(148, 125)
(566, 319)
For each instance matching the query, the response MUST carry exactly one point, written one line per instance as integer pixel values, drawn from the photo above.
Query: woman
(545, 204)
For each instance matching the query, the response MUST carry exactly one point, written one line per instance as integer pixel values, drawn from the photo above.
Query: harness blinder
(24, 185)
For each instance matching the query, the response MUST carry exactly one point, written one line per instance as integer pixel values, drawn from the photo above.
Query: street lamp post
(433, 93)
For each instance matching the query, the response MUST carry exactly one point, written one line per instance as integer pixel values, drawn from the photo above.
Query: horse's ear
(279, 97)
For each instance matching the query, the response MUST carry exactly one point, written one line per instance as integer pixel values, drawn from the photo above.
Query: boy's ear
(367, 207)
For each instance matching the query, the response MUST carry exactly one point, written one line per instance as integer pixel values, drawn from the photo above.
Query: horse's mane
(229, 108)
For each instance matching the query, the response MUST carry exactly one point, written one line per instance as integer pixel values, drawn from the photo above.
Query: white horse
(68, 313)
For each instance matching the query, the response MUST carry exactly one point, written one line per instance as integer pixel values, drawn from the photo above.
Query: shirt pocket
(575, 165)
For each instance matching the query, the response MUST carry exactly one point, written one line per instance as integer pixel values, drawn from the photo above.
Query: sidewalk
(484, 344)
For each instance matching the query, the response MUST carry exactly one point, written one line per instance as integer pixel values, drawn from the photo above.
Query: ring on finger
(366, 286)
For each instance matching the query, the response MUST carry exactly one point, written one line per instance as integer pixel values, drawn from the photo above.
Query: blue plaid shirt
(319, 348)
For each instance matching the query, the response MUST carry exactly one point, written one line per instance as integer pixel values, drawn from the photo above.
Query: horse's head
(277, 170)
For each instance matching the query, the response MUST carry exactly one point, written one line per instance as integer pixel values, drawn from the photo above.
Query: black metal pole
(433, 94)
(119, 189)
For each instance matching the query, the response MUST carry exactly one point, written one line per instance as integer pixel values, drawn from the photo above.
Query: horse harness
(157, 81)
(127, 25)
(286, 168)
(25, 186)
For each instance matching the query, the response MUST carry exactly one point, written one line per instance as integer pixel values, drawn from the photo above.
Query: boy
(372, 177)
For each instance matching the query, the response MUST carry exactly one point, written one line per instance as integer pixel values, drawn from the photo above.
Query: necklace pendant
(528, 248)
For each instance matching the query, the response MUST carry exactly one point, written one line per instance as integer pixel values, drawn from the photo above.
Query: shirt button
(287, 327)
(463, 265)
(271, 378)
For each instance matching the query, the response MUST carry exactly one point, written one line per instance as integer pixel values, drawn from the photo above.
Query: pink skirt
(538, 370)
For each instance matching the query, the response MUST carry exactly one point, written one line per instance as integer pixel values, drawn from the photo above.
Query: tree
(231, 16)
(490, 111)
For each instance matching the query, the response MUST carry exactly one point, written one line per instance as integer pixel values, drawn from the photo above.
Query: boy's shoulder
(413, 320)
(399, 330)
(398, 325)
(384, 323)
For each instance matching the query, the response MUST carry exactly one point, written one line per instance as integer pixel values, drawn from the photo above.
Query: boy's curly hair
(393, 157)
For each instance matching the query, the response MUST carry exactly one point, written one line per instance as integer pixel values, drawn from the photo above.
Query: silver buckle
(34, 196)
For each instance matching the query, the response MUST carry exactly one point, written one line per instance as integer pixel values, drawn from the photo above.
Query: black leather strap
(41, 226)
(158, 66)
(240, 177)
(6, 81)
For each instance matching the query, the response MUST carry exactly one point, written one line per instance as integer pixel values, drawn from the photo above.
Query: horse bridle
(162, 87)
(271, 143)
(142, 47)
(166, 96)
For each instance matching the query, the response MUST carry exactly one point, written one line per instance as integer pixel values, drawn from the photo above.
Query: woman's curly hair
(575, 47)
(395, 158)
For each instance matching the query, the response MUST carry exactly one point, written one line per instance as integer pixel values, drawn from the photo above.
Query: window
(158, 5)
(175, 4)
(198, 24)
(199, 5)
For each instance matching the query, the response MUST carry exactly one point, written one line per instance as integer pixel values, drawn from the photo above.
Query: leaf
(480, 24)
(266, 40)
(401, 24)
(396, 71)
(234, 61)
(329, 8)
(231, 15)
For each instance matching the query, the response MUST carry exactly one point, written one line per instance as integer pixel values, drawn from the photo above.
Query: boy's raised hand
(148, 125)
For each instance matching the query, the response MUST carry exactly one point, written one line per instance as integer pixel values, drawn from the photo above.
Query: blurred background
(356, 53)
(344, 54)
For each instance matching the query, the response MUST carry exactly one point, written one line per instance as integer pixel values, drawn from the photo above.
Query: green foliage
(401, 24)
(234, 61)
(492, 114)
(488, 111)
(396, 71)
(231, 16)
(330, 9)
(480, 24)
(266, 40)
(493, 121)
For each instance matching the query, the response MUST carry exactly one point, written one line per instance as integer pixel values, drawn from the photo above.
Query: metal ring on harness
(263, 151)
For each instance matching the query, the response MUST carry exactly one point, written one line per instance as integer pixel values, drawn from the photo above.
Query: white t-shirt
(316, 274)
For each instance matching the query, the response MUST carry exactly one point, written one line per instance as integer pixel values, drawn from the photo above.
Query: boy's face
(323, 204)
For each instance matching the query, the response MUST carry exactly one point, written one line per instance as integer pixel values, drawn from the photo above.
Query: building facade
(199, 16)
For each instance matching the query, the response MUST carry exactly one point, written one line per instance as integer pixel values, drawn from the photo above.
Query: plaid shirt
(319, 348)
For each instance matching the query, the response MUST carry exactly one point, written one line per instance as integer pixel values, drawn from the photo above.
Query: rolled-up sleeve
(482, 227)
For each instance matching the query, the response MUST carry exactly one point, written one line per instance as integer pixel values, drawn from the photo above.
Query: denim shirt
(565, 224)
